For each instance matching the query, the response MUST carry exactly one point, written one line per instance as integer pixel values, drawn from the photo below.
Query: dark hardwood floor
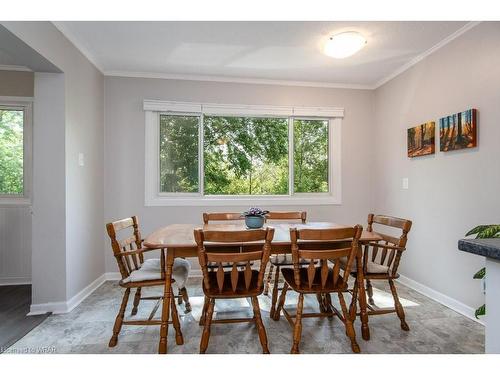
(15, 303)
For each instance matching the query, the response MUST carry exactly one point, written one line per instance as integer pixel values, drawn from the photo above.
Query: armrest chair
(381, 261)
(137, 272)
(322, 276)
(221, 283)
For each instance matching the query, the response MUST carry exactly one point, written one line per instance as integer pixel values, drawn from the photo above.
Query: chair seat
(151, 270)
(227, 291)
(371, 267)
(286, 260)
(316, 287)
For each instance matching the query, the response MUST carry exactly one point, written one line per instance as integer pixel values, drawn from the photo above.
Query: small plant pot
(254, 222)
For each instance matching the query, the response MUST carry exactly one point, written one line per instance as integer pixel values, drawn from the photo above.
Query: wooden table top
(181, 235)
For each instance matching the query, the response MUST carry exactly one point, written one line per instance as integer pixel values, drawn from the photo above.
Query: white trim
(225, 79)
(443, 299)
(240, 109)
(15, 281)
(78, 44)
(415, 60)
(17, 99)
(246, 110)
(63, 307)
(15, 68)
(169, 106)
(152, 196)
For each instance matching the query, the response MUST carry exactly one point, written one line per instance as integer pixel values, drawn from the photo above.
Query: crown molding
(16, 68)
(257, 81)
(423, 55)
(78, 44)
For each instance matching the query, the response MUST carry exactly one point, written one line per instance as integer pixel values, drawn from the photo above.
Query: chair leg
(281, 303)
(184, 294)
(398, 306)
(179, 340)
(204, 311)
(274, 298)
(349, 326)
(297, 329)
(369, 291)
(137, 300)
(354, 302)
(206, 329)
(179, 297)
(321, 303)
(268, 279)
(119, 319)
(260, 325)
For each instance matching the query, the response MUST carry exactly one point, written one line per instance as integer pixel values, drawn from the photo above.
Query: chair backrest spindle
(259, 242)
(304, 246)
(389, 256)
(130, 262)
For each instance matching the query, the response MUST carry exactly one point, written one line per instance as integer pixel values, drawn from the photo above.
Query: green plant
(483, 231)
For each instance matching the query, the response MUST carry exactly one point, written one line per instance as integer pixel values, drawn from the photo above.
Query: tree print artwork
(421, 140)
(458, 131)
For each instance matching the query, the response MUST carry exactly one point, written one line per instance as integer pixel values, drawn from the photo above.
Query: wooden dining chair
(220, 283)
(322, 276)
(280, 260)
(381, 261)
(221, 216)
(137, 272)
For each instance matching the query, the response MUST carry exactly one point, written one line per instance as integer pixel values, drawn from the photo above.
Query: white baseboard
(66, 306)
(443, 299)
(15, 281)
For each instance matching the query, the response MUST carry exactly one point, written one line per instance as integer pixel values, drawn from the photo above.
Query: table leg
(167, 296)
(360, 280)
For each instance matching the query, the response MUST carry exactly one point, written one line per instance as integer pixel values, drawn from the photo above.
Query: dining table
(177, 240)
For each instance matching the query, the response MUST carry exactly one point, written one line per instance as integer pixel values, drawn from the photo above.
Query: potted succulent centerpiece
(255, 217)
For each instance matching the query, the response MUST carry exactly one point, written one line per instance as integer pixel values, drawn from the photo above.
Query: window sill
(14, 202)
(242, 201)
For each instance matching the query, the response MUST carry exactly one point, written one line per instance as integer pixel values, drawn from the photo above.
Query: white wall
(15, 221)
(49, 191)
(451, 192)
(124, 145)
(82, 221)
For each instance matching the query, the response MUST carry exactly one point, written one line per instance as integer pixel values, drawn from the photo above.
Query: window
(245, 155)
(241, 155)
(179, 153)
(15, 153)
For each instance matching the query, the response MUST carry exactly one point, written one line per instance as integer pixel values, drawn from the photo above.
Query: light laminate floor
(87, 329)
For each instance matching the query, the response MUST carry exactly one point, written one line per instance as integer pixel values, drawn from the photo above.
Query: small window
(179, 154)
(15, 151)
(310, 155)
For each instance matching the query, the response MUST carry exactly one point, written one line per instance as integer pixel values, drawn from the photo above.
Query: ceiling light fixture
(343, 45)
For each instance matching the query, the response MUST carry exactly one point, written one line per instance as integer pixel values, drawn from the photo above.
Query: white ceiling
(278, 51)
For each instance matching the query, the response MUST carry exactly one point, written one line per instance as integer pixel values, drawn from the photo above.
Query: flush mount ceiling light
(343, 45)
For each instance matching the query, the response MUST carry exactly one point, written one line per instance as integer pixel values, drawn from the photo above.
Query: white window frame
(25, 104)
(153, 196)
